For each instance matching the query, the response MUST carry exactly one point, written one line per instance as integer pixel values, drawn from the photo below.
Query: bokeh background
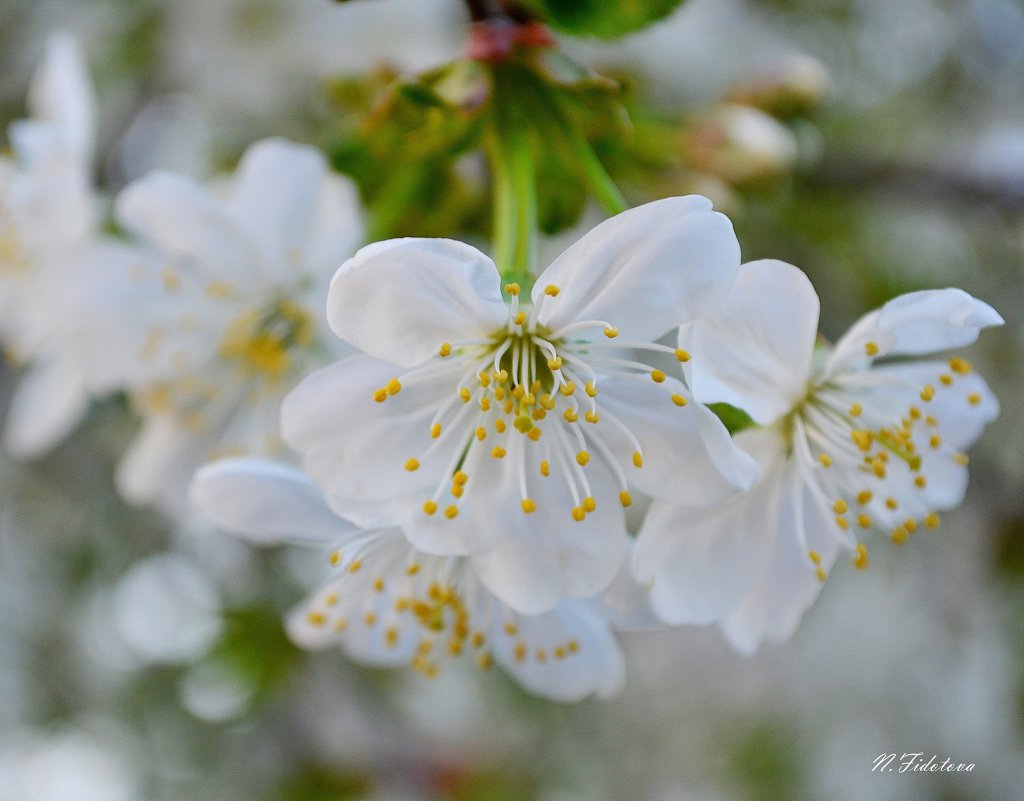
(137, 662)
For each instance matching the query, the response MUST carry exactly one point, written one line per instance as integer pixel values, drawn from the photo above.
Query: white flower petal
(700, 562)
(755, 351)
(400, 300)
(266, 503)
(49, 402)
(646, 270)
(688, 454)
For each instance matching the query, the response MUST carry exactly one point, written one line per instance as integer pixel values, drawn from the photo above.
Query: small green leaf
(734, 419)
(601, 18)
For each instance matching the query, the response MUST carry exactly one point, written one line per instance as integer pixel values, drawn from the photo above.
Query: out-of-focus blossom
(741, 145)
(47, 212)
(216, 312)
(392, 605)
(516, 433)
(846, 445)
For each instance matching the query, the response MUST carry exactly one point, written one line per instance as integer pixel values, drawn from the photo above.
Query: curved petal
(688, 455)
(644, 271)
(755, 351)
(357, 448)
(265, 502)
(700, 562)
(274, 195)
(911, 324)
(62, 95)
(49, 402)
(400, 300)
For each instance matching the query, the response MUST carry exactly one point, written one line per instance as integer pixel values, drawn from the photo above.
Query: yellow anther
(935, 440)
(920, 482)
(511, 289)
(316, 618)
(378, 584)
(871, 348)
(412, 569)
(915, 413)
(974, 399)
(682, 355)
(412, 464)
(499, 393)
(841, 522)
(927, 393)
(370, 619)
(589, 504)
(960, 366)
(899, 535)
(891, 503)
(520, 318)
(501, 376)
(529, 505)
(380, 395)
(545, 468)
(567, 389)
(657, 376)
(219, 290)
(591, 417)
(856, 410)
(484, 379)
(910, 524)
(335, 558)
(591, 389)
(446, 350)
(459, 478)
(862, 439)
(534, 435)
(572, 646)
(555, 363)
(500, 426)
(559, 652)
(394, 386)
(511, 629)
(878, 467)
(520, 652)
(340, 624)
(355, 566)
(814, 557)
(523, 424)
(579, 514)
(638, 459)
(457, 491)
(864, 520)
(825, 459)
(860, 557)
(451, 512)
(864, 496)
(478, 639)
(839, 507)
(582, 458)
(542, 655)
(481, 433)
(464, 394)
(391, 637)
(961, 459)
(551, 290)
(611, 332)
(678, 399)
(485, 404)
(547, 402)
(625, 499)
(485, 661)
(539, 414)
(498, 452)
(821, 574)
(932, 520)
(435, 431)
(571, 415)
(945, 379)
(429, 507)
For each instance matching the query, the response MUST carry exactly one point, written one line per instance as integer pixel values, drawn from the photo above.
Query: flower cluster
(495, 471)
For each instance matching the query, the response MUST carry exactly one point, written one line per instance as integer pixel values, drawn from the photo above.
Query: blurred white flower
(217, 311)
(392, 605)
(47, 212)
(846, 445)
(517, 433)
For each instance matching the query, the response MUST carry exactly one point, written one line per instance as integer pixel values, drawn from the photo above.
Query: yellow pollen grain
(910, 524)
(355, 566)
(927, 393)
(412, 569)
(860, 557)
(864, 496)
(960, 366)
(545, 468)
(520, 318)
(871, 348)
(932, 520)
(500, 426)
(862, 439)
(571, 415)
(380, 395)
(335, 558)
(316, 618)
(678, 399)
(841, 522)
(856, 410)
(582, 458)
(435, 431)
(589, 504)
(864, 520)
(814, 556)
(451, 512)
(512, 289)
(920, 482)
(591, 389)
(464, 394)
(839, 507)
(579, 514)
(891, 503)
(498, 452)
(555, 363)
(485, 404)
(429, 507)
(946, 379)
(412, 464)
(821, 574)
(974, 399)
(591, 417)
(657, 376)
(551, 291)
(878, 468)
(394, 386)
(446, 350)
(457, 491)
(529, 505)
(638, 459)
(935, 441)
(825, 459)
(567, 389)
(611, 332)
(625, 498)
(534, 435)
(682, 355)
(899, 535)
(481, 433)
(460, 478)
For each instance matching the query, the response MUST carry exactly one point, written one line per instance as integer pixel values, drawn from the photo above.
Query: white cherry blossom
(213, 313)
(849, 448)
(517, 432)
(47, 214)
(390, 605)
